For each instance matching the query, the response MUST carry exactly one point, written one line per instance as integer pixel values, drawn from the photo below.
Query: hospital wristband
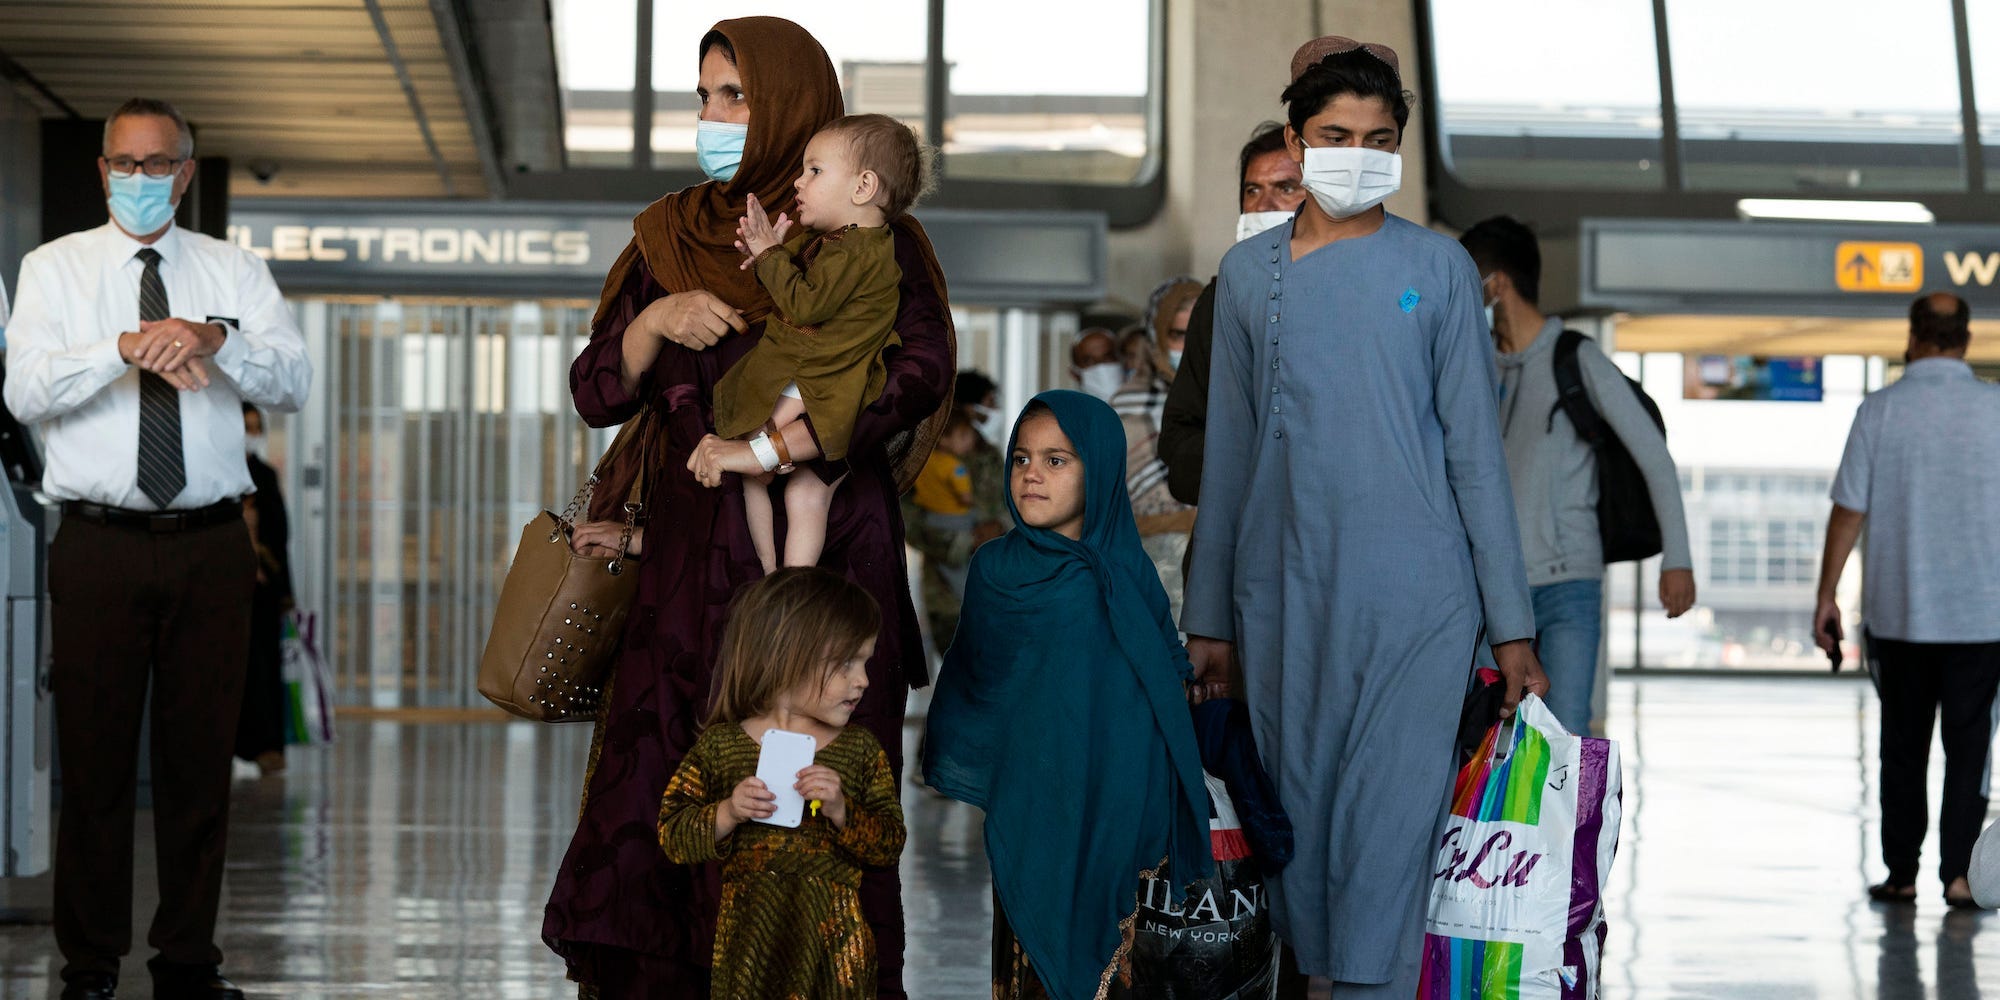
(767, 456)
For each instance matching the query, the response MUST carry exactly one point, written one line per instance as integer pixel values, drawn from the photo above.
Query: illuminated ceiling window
(1983, 33)
(1830, 109)
(1085, 119)
(596, 63)
(1548, 94)
(1559, 109)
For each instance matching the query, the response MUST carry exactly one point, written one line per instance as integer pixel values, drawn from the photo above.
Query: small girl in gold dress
(833, 287)
(794, 657)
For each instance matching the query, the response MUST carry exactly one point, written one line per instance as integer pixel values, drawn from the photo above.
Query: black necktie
(162, 468)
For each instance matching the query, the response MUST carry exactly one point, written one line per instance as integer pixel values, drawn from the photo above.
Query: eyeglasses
(155, 166)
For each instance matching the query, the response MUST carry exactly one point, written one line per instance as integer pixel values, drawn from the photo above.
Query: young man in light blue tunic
(1356, 542)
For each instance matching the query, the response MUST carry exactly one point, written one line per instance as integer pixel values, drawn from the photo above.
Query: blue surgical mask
(141, 203)
(718, 148)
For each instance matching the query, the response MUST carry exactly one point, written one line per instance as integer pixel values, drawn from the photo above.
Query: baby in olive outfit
(834, 289)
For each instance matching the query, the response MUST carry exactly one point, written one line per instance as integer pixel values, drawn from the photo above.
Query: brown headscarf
(687, 239)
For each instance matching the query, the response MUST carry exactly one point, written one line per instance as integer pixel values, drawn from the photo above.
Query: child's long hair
(787, 631)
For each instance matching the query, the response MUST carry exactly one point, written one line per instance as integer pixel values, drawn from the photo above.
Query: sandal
(1893, 892)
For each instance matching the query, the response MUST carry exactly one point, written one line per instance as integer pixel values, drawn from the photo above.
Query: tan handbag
(561, 615)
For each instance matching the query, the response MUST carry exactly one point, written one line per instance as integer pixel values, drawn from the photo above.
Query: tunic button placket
(1277, 292)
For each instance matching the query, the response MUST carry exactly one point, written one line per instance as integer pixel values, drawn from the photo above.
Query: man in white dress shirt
(132, 348)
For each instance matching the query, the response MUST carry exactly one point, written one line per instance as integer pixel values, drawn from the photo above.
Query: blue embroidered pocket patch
(1410, 299)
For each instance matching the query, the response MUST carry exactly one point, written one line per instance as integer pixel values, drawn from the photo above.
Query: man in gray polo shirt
(1922, 469)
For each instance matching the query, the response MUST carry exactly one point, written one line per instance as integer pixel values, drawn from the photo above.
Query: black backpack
(1626, 521)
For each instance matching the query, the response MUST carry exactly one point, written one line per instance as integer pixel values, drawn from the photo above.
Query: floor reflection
(1751, 830)
(412, 860)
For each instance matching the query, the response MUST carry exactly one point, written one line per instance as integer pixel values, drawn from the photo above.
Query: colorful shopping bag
(308, 683)
(1516, 904)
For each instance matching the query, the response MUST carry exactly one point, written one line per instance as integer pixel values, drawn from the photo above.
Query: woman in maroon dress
(677, 312)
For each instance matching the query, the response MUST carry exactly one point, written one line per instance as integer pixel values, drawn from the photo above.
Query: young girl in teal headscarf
(1061, 711)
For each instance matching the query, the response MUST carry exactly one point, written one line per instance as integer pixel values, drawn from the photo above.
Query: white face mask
(255, 446)
(1251, 223)
(1350, 180)
(987, 423)
(1102, 380)
(1174, 358)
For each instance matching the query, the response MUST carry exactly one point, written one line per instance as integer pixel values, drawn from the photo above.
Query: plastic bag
(1214, 943)
(1516, 903)
(308, 683)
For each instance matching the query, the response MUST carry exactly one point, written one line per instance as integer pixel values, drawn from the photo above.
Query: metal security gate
(435, 431)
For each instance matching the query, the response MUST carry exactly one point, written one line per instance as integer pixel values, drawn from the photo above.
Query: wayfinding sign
(1694, 266)
(1879, 267)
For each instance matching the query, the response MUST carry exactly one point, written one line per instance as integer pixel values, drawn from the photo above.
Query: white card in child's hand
(785, 755)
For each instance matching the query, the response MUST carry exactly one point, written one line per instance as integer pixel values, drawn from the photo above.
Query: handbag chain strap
(579, 505)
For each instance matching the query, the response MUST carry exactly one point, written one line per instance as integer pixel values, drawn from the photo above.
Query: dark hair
(1355, 72)
(954, 420)
(148, 107)
(716, 39)
(1949, 332)
(1267, 137)
(787, 630)
(1503, 244)
(891, 149)
(972, 387)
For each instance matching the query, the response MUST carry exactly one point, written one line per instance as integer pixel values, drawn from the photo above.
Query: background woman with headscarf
(676, 314)
(1164, 522)
(1061, 711)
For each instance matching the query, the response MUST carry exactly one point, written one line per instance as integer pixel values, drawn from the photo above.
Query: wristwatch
(785, 466)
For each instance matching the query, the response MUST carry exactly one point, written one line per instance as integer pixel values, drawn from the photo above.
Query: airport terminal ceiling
(1783, 336)
(373, 98)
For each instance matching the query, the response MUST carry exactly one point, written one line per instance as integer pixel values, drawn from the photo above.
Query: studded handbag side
(557, 626)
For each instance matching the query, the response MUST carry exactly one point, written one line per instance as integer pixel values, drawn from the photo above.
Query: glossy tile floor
(412, 860)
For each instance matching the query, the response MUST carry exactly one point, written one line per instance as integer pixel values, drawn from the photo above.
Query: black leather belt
(156, 521)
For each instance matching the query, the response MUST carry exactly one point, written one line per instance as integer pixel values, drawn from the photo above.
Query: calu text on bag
(1516, 904)
(1626, 522)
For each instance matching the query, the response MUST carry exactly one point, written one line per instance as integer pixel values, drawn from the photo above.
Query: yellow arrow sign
(1879, 267)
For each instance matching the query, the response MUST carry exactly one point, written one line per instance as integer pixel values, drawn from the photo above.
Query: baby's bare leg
(763, 527)
(757, 496)
(806, 502)
(789, 408)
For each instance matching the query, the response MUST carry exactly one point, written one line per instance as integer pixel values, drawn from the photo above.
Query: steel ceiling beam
(16, 73)
(395, 57)
(456, 38)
